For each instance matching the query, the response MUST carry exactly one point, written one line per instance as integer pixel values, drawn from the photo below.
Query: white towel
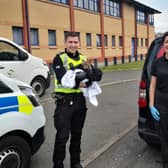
(91, 92)
(68, 80)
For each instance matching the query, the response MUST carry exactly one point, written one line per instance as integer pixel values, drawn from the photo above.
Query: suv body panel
(146, 125)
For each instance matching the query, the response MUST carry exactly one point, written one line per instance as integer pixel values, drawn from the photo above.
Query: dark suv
(146, 126)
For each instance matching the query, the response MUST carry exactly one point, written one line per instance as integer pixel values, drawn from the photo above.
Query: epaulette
(60, 53)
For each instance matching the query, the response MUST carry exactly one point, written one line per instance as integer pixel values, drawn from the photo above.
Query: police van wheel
(39, 86)
(14, 153)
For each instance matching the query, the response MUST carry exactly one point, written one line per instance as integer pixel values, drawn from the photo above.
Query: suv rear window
(4, 88)
(155, 51)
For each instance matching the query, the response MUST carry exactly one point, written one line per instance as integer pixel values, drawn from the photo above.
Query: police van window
(8, 52)
(4, 88)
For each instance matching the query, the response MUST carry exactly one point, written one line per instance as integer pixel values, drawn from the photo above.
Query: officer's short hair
(71, 34)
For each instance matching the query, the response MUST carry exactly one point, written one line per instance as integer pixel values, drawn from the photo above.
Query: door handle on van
(10, 72)
(1, 67)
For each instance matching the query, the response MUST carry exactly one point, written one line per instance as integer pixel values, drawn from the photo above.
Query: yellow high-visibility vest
(67, 61)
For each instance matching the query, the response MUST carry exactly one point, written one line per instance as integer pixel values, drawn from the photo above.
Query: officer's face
(165, 44)
(72, 44)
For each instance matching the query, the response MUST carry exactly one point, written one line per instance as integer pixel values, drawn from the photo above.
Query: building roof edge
(142, 6)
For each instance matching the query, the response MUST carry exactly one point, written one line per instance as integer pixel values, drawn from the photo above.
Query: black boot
(78, 165)
(165, 164)
(58, 165)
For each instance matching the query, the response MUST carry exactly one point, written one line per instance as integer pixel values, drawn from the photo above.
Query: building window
(34, 37)
(98, 40)
(151, 19)
(112, 8)
(51, 37)
(80, 3)
(141, 42)
(61, 1)
(140, 16)
(86, 4)
(18, 35)
(146, 42)
(105, 40)
(137, 41)
(92, 5)
(113, 41)
(88, 40)
(120, 41)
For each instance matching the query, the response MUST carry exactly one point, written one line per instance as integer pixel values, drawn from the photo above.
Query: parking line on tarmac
(111, 142)
(117, 82)
(102, 85)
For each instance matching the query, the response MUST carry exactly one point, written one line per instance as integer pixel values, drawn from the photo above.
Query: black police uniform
(160, 70)
(69, 117)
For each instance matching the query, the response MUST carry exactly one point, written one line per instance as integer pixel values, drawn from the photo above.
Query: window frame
(120, 41)
(112, 8)
(92, 5)
(18, 33)
(53, 42)
(98, 40)
(105, 40)
(36, 31)
(142, 42)
(88, 37)
(61, 1)
(151, 19)
(146, 42)
(113, 41)
(141, 16)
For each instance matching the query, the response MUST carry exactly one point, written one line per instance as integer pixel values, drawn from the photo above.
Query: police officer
(71, 107)
(158, 98)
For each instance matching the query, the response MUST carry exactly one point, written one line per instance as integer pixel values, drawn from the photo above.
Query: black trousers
(69, 118)
(161, 104)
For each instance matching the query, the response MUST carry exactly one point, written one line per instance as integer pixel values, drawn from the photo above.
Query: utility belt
(62, 97)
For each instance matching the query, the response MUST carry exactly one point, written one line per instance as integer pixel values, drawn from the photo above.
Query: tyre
(14, 153)
(39, 86)
(152, 144)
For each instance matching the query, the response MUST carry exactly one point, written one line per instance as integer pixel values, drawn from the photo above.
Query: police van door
(10, 63)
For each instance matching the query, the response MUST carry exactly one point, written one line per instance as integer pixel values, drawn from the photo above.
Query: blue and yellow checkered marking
(16, 104)
(8, 104)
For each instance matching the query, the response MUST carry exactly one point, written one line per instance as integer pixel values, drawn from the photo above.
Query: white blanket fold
(68, 80)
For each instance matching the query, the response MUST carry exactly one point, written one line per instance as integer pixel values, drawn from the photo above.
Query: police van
(17, 63)
(22, 123)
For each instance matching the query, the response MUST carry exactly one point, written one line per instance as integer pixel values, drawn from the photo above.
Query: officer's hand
(155, 113)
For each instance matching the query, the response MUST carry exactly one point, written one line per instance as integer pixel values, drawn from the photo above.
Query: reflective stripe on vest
(16, 104)
(66, 63)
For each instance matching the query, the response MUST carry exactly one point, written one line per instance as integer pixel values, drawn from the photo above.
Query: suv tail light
(142, 94)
